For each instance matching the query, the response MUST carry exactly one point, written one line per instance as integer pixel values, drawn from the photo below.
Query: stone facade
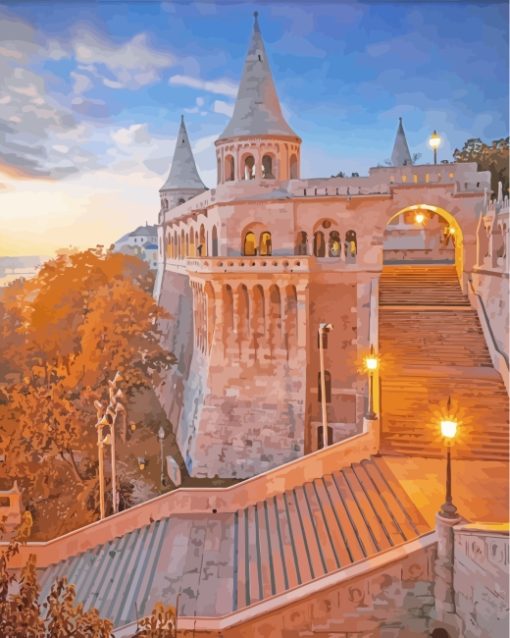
(259, 261)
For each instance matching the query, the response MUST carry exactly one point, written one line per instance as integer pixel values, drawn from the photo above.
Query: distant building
(142, 242)
(19, 267)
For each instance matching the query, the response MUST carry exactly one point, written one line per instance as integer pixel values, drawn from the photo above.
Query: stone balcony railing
(270, 264)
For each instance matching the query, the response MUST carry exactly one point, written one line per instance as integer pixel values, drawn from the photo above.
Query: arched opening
(202, 245)
(214, 246)
(228, 310)
(229, 168)
(301, 243)
(244, 312)
(184, 251)
(265, 246)
(258, 316)
(218, 171)
(440, 633)
(249, 167)
(334, 244)
(176, 246)
(319, 245)
(192, 252)
(275, 316)
(351, 246)
(327, 382)
(180, 201)
(267, 167)
(293, 168)
(423, 234)
(250, 244)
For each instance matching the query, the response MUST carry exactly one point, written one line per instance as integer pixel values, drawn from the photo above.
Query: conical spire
(257, 110)
(183, 171)
(400, 155)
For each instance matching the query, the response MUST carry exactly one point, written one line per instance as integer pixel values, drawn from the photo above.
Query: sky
(91, 94)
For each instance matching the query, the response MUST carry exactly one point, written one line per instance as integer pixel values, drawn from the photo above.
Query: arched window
(228, 304)
(214, 241)
(351, 246)
(327, 379)
(202, 246)
(266, 247)
(250, 244)
(267, 167)
(249, 167)
(293, 167)
(218, 170)
(229, 168)
(244, 312)
(302, 243)
(319, 245)
(334, 244)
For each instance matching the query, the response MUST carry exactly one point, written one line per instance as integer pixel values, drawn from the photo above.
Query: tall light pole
(324, 328)
(448, 431)
(107, 417)
(434, 142)
(161, 437)
(371, 364)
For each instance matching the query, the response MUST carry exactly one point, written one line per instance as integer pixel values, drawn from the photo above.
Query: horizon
(93, 96)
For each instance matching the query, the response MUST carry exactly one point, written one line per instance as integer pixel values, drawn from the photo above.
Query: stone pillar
(444, 593)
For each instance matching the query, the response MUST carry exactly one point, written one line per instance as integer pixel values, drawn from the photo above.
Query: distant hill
(26, 266)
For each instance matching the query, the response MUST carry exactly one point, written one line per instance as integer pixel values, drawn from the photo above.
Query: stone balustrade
(481, 578)
(270, 264)
(207, 500)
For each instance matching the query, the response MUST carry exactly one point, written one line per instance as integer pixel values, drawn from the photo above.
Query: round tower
(257, 143)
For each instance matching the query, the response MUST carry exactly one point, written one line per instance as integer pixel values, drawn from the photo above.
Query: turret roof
(257, 109)
(183, 171)
(400, 155)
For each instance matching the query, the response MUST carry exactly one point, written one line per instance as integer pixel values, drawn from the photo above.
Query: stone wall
(481, 580)
(493, 289)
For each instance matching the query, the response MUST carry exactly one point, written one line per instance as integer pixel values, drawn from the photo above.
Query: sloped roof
(400, 155)
(183, 171)
(257, 109)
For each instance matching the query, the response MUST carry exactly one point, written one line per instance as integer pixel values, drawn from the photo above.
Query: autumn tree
(491, 157)
(64, 333)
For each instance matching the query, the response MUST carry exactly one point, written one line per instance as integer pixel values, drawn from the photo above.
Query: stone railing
(493, 234)
(481, 566)
(246, 264)
(206, 500)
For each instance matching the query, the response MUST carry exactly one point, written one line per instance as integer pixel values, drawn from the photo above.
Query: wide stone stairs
(217, 563)
(432, 348)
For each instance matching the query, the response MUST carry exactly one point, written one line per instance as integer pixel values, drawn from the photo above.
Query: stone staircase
(433, 347)
(215, 564)
(319, 527)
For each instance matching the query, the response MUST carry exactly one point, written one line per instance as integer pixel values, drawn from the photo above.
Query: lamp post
(434, 142)
(371, 365)
(324, 328)
(161, 437)
(448, 431)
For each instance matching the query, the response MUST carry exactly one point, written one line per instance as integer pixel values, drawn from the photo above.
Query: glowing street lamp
(448, 432)
(324, 328)
(161, 438)
(434, 142)
(419, 218)
(371, 362)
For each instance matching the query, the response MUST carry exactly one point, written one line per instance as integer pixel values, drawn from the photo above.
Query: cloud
(222, 107)
(132, 64)
(134, 134)
(220, 87)
(82, 83)
(204, 144)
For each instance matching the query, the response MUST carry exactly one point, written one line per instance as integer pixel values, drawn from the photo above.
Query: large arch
(452, 222)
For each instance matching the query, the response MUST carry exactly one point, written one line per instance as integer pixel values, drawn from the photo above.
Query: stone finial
(400, 155)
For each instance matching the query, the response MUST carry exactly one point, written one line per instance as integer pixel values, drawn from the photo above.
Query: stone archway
(423, 216)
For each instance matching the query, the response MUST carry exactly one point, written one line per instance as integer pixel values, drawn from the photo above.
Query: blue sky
(91, 94)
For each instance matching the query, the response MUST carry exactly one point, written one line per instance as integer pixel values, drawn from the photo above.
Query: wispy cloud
(225, 108)
(219, 87)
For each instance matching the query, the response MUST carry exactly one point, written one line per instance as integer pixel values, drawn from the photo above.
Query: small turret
(183, 181)
(401, 155)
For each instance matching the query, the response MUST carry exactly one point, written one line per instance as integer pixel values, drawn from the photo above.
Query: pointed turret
(257, 143)
(257, 109)
(183, 171)
(401, 155)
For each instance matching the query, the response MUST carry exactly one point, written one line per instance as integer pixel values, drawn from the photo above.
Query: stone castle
(251, 268)
(349, 540)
